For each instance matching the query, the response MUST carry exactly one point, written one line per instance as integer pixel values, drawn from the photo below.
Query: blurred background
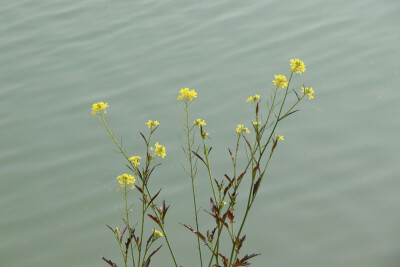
(331, 197)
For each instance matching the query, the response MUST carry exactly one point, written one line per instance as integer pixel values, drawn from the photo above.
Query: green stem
(128, 224)
(141, 232)
(192, 176)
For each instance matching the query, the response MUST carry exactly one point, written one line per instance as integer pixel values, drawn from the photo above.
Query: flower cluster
(253, 98)
(308, 91)
(156, 234)
(99, 107)
(159, 150)
(241, 129)
(186, 93)
(151, 123)
(280, 81)
(296, 65)
(135, 160)
(204, 135)
(126, 179)
(256, 123)
(199, 123)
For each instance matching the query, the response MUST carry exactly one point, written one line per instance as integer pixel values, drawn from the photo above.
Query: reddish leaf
(214, 208)
(239, 243)
(110, 228)
(149, 240)
(230, 216)
(224, 260)
(109, 262)
(241, 176)
(210, 237)
(154, 252)
(243, 261)
(257, 109)
(154, 197)
(219, 219)
(255, 170)
(139, 188)
(256, 186)
(195, 232)
(230, 152)
(227, 177)
(151, 171)
(143, 137)
(163, 211)
(275, 143)
(197, 155)
(154, 219)
(248, 144)
(122, 234)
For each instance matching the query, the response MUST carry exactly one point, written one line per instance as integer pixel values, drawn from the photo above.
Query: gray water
(332, 194)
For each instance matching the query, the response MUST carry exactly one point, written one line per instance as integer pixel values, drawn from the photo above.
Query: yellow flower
(135, 160)
(256, 123)
(159, 150)
(241, 129)
(279, 137)
(205, 134)
(253, 98)
(280, 81)
(224, 203)
(308, 91)
(151, 123)
(199, 123)
(296, 65)
(126, 179)
(99, 107)
(186, 93)
(157, 234)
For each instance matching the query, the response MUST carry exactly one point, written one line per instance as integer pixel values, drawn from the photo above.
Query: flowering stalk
(102, 119)
(146, 193)
(280, 81)
(192, 172)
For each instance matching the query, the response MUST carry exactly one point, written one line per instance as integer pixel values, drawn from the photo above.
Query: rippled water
(332, 195)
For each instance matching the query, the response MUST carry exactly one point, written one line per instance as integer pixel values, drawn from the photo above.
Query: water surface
(332, 194)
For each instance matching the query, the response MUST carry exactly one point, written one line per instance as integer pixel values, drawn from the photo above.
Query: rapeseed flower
(279, 137)
(296, 65)
(159, 150)
(151, 123)
(241, 129)
(99, 107)
(253, 98)
(157, 234)
(256, 123)
(186, 93)
(126, 179)
(280, 81)
(204, 135)
(308, 91)
(135, 160)
(199, 123)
